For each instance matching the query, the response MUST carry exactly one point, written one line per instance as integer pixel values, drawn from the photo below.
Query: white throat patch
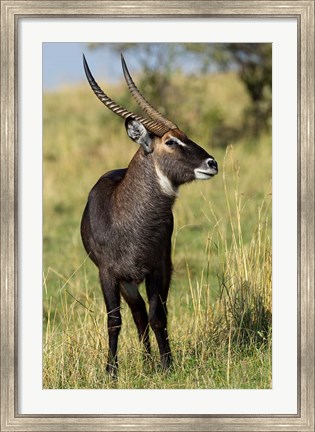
(166, 185)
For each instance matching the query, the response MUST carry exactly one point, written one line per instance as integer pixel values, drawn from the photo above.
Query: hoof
(166, 361)
(112, 370)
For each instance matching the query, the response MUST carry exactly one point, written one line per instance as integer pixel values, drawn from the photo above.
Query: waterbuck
(127, 223)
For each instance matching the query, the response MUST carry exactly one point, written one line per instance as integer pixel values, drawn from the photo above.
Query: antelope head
(176, 158)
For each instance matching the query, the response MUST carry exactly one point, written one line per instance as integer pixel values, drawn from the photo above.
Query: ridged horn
(156, 128)
(142, 102)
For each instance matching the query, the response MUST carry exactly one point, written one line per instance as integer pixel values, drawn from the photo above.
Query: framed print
(238, 79)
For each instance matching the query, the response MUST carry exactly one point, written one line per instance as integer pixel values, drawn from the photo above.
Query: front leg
(112, 300)
(157, 285)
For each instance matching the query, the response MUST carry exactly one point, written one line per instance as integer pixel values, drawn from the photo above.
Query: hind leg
(136, 303)
(112, 300)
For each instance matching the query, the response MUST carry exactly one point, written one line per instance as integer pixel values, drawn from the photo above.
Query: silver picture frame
(11, 12)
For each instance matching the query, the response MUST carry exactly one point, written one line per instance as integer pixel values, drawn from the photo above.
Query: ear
(138, 133)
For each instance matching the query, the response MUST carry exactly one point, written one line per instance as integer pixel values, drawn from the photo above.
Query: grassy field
(220, 298)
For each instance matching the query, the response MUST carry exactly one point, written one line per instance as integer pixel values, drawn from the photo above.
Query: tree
(253, 63)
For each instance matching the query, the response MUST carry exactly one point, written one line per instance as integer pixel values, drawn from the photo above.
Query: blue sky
(62, 64)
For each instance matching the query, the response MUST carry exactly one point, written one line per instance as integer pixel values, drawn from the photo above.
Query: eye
(170, 142)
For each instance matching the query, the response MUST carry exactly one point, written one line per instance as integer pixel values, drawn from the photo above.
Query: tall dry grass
(220, 298)
(220, 330)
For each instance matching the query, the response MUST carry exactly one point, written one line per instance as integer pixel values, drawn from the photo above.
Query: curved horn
(152, 126)
(144, 104)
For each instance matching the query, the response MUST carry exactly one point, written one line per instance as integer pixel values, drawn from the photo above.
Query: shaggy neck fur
(145, 187)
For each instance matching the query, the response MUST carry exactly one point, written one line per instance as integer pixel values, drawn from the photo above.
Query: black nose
(213, 164)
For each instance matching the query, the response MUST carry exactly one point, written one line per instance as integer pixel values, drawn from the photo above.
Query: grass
(220, 298)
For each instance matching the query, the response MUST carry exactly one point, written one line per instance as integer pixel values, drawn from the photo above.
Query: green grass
(220, 298)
